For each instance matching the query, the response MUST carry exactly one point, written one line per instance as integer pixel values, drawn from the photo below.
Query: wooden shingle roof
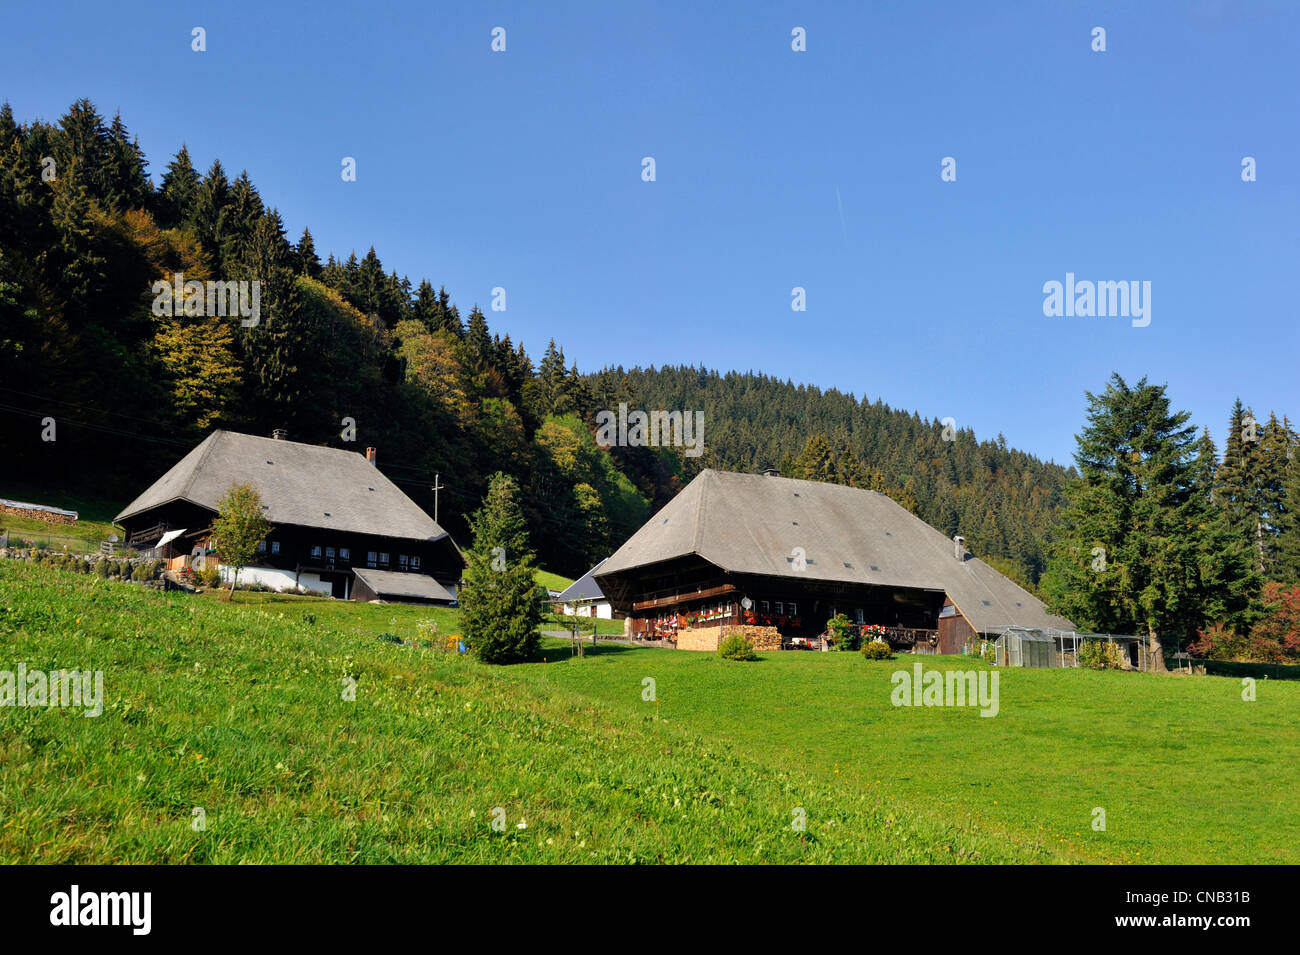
(752, 523)
(304, 484)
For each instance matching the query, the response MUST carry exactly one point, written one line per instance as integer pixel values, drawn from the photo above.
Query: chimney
(959, 545)
(770, 472)
(280, 434)
(370, 456)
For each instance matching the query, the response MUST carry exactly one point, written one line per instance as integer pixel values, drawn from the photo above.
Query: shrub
(140, 573)
(1100, 655)
(841, 633)
(877, 650)
(736, 647)
(988, 651)
(101, 568)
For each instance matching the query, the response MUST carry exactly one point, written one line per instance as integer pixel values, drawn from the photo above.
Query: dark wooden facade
(955, 631)
(690, 591)
(327, 553)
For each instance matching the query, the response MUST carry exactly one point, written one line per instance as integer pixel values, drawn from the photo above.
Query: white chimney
(959, 545)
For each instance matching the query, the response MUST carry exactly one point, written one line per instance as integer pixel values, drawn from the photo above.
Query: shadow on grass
(560, 650)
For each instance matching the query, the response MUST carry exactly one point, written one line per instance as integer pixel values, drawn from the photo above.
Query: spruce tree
(816, 462)
(1287, 568)
(179, 190)
(499, 598)
(305, 257)
(1141, 549)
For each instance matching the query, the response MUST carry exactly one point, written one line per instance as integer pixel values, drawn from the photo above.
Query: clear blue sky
(775, 169)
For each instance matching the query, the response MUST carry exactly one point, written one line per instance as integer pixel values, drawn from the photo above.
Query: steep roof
(584, 588)
(751, 524)
(304, 484)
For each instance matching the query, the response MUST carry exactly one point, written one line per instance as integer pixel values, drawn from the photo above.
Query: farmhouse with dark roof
(753, 548)
(338, 524)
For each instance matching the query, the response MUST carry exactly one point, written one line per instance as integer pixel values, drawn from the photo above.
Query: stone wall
(708, 638)
(141, 570)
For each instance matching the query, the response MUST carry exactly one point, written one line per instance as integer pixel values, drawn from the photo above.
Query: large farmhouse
(338, 524)
(800, 552)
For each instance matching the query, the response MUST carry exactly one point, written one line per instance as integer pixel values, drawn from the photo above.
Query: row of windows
(344, 554)
(779, 607)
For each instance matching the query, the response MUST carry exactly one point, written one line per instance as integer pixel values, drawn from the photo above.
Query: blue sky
(775, 169)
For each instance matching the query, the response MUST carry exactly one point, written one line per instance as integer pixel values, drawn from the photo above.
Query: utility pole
(437, 486)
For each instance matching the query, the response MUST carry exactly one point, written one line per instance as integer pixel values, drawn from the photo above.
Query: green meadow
(241, 711)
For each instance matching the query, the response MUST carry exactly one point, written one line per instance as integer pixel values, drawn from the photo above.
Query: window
(861, 618)
(791, 607)
(762, 606)
(275, 547)
(261, 547)
(403, 562)
(370, 559)
(315, 551)
(345, 553)
(383, 559)
(415, 562)
(329, 553)
(780, 608)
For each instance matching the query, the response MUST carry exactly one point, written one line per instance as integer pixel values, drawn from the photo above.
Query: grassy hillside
(1185, 770)
(238, 709)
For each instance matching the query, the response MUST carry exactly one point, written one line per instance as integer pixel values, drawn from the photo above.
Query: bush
(840, 630)
(101, 568)
(988, 651)
(877, 650)
(736, 647)
(1100, 655)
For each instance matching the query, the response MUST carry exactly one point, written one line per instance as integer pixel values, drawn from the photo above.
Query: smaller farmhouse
(338, 525)
(584, 598)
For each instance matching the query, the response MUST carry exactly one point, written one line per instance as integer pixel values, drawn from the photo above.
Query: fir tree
(305, 256)
(178, 193)
(499, 598)
(1141, 550)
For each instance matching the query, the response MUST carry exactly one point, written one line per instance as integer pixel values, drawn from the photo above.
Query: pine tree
(427, 310)
(127, 185)
(1275, 446)
(1287, 568)
(210, 210)
(1141, 549)
(178, 193)
(816, 462)
(478, 342)
(499, 598)
(305, 256)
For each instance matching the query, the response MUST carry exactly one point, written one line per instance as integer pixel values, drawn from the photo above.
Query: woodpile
(709, 638)
(50, 515)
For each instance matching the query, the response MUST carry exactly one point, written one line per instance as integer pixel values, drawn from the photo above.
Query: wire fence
(39, 540)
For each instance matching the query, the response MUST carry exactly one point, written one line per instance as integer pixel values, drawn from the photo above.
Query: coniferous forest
(348, 349)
